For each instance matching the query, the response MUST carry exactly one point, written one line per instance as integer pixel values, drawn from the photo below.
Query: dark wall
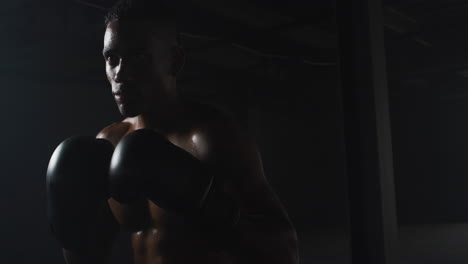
(428, 109)
(430, 148)
(49, 91)
(54, 86)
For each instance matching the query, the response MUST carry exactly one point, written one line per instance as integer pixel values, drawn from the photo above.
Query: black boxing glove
(145, 165)
(77, 178)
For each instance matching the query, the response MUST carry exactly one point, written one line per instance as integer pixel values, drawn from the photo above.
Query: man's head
(142, 55)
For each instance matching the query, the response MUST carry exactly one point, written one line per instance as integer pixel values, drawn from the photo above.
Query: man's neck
(164, 119)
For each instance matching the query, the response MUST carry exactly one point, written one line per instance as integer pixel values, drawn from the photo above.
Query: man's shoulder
(210, 117)
(220, 128)
(115, 131)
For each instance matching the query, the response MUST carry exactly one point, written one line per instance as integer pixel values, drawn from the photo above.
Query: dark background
(273, 65)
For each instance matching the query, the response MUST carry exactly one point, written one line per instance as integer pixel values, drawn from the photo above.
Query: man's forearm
(102, 257)
(98, 247)
(264, 239)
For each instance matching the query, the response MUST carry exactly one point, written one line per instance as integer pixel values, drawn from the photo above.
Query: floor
(423, 244)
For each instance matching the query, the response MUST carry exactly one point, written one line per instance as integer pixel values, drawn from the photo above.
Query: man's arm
(76, 197)
(264, 233)
(133, 216)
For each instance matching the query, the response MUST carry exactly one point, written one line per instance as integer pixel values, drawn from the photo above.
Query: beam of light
(257, 52)
(91, 5)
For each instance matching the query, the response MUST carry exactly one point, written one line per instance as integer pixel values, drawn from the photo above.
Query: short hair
(159, 12)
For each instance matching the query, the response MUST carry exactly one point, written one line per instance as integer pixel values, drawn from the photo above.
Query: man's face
(138, 66)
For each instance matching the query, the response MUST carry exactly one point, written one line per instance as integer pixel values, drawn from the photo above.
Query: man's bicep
(245, 179)
(235, 161)
(265, 233)
(259, 202)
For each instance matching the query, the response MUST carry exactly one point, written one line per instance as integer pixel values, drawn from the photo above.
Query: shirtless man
(185, 180)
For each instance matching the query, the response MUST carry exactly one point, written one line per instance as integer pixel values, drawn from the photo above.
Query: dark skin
(141, 66)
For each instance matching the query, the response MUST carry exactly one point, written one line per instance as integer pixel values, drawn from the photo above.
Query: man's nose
(123, 72)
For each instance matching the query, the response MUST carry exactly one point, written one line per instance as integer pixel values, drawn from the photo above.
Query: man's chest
(141, 211)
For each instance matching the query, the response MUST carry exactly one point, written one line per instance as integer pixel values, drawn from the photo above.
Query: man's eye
(113, 60)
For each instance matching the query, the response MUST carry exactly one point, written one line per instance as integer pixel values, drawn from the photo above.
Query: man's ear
(178, 59)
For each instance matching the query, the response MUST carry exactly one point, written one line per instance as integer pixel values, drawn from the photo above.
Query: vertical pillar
(370, 180)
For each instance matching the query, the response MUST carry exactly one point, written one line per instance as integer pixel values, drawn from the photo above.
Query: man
(227, 214)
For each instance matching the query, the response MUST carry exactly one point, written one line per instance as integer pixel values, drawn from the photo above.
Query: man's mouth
(119, 96)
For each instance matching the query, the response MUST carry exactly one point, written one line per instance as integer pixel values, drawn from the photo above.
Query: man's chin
(128, 112)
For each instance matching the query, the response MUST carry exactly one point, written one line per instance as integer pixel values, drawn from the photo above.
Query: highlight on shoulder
(115, 131)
